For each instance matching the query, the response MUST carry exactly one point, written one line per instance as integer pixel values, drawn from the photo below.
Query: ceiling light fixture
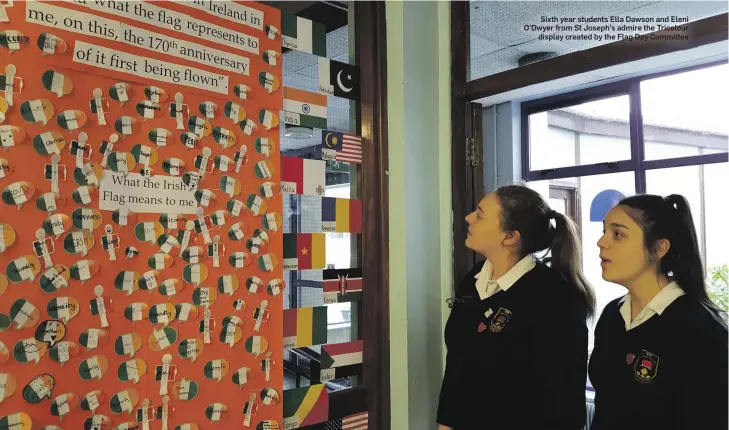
(534, 57)
(298, 132)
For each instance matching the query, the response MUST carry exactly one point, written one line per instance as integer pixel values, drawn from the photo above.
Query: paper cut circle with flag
(603, 202)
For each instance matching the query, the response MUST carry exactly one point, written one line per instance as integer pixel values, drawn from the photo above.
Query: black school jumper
(669, 373)
(527, 369)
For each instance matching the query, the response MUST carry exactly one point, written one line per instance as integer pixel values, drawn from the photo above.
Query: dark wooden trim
(463, 258)
(701, 32)
(371, 50)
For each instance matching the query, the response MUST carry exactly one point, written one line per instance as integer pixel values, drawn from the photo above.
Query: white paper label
(63, 407)
(22, 317)
(94, 368)
(40, 388)
(327, 374)
(93, 339)
(63, 353)
(93, 401)
(6, 138)
(50, 202)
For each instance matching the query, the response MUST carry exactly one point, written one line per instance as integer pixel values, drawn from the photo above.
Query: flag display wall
(130, 146)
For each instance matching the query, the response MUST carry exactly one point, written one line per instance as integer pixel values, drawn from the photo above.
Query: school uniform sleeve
(449, 401)
(560, 359)
(703, 400)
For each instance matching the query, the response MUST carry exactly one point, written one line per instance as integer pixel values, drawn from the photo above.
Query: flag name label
(292, 118)
(327, 375)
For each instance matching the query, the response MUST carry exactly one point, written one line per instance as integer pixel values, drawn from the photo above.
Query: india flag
(304, 108)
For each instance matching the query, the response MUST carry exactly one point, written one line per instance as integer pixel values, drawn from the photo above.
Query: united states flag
(341, 147)
(352, 422)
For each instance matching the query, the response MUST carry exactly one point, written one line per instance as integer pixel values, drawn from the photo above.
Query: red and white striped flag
(341, 147)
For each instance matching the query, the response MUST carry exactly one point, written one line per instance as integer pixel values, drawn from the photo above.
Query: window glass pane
(716, 176)
(686, 111)
(588, 188)
(588, 133)
(680, 180)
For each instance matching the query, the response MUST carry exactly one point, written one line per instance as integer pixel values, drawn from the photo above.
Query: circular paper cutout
(64, 351)
(37, 111)
(52, 280)
(186, 312)
(49, 143)
(63, 308)
(128, 344)
(18, 193)
(93, 368)
(84, 270)
(71, 119)
(50, 202)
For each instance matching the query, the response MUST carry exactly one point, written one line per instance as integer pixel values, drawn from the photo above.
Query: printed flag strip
(305, 108)
(303, 35)
(305, 327)
(342, 147)
(305, 406)
(342, 285)
(341, 215)
(303, 176)
(304, 251)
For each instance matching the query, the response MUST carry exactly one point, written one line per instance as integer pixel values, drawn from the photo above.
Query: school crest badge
(500, 319)
(646, 366)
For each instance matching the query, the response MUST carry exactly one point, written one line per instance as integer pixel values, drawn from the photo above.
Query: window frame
(636, 163)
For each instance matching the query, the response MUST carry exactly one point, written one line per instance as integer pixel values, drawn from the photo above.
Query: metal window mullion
(637, 148)
(576, 171)
(693, 160)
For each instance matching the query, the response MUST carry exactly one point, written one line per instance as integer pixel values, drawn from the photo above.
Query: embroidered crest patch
(499, 321)
(646, 366)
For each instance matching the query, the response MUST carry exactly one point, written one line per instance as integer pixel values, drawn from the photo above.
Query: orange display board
(140, 236)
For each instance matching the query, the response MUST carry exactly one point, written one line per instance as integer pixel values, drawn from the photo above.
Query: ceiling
(498, 38)
(300, 70)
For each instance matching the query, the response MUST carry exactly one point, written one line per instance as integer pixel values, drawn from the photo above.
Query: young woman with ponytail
(660, 356)
(517, 332)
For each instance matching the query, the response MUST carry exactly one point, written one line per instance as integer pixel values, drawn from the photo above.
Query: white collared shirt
(487, 287)
(657, 305)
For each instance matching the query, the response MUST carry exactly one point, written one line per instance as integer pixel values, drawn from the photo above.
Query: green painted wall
(418, 63)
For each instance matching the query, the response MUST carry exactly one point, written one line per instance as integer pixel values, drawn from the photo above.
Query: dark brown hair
(525, 211)
(670, 218)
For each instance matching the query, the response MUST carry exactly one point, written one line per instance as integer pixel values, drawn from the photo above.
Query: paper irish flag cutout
(305, 327)
(305, 406)
(304, 108)
(304, 251)
(303, 176)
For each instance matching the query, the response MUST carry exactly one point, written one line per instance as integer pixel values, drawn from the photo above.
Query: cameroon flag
(305, 327)
(304, 251)
(306, 405)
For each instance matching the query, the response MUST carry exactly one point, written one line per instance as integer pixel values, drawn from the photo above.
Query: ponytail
(567, 258)
(525, 211)
(670, 218)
